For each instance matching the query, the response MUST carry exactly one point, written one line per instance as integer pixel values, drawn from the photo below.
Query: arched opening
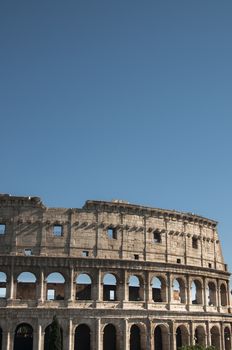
(178, 291)
(158, 338)
(181, 337)
(196, 292)
(23, 338)
(227, 338)
(3, 280)
(26, 286)
(135, 289)
(215, 337)
(158, 290)
(199, 336)
(211, 293)
(82, 337)
(135, 338)
(109, 338)
(83, 287)
(47, 336)
(55, 286)
(0, 338)
(161, 338)
(223, 295)
(109, 287)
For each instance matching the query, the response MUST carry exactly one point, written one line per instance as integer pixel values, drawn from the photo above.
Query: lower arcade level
(29, 329)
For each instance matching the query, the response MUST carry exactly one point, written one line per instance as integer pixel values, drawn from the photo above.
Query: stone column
(65, 327)
(126, 335)
(205, 296)
(126, 287)
(147, 289)
(208, 335)
(218, 297)
(172, 336)
(40, 289)
(71, 286)
(148, 335)
(222, 340)
(98, 335)
(70, 335)
(188, 293)
(7, 340)
(99, 287)
(169, 286)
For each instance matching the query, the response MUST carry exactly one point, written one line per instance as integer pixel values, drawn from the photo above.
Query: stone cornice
(109, 264)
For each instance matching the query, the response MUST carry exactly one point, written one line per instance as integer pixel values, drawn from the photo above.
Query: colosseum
(118, 276)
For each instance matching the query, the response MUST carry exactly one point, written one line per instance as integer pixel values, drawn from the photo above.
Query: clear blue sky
(119, 99)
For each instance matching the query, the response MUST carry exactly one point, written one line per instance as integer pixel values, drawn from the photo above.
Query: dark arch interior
(227, 338)
(23, 339)
(178, 338)
(0, 338)
(158, 338)
(135, 341)
(109, 338)
(82, 337)
(47, 336)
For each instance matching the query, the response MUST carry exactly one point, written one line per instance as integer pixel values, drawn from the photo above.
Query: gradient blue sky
(119, 99)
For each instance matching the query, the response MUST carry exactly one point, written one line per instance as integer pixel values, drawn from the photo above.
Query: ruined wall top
(108, 230)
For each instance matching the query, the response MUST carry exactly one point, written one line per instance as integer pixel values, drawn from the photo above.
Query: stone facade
(117, 276)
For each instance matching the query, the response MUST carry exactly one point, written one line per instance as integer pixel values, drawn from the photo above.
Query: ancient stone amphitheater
(117, 276)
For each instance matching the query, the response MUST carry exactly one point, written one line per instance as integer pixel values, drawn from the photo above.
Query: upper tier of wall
(116, 230)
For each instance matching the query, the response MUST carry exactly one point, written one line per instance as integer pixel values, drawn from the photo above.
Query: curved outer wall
(182, 295)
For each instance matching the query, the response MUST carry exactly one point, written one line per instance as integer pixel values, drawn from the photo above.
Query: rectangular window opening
(112, 233)
(178, 261)
(2, 292)
(85, 253)
(194, 243)
(112, 295)
(2, 229)
(210, 265)
(51, 294)
(28, 252)
(58, 230)
(136, 256)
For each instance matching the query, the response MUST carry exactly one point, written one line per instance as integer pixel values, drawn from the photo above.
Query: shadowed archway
(82, 337)
(23, 338)
(109, 338)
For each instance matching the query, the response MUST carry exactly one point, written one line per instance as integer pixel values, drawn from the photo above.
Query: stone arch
(178, 290)
(158, 285)
(109, 337)
(47, 333)
(211, 293)
(55, 286)
(135, 337)
(109, 287)
(23, 337)
(161, 337)
(215, 337)
(26, 286)
(181, 336)
(227, 338)
(83, 287)
(82, 338)
(0, 338)
(3, 283)
(200, 336)
(136, 291)
(196, 292)
(223, 294)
